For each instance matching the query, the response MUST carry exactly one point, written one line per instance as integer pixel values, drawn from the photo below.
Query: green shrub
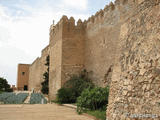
(4, 96)
(12, 98)
(73, 88)
(93, 99)
(16, 99)
(66, 95)
(78, 85)
(36, 98)
(79, 82)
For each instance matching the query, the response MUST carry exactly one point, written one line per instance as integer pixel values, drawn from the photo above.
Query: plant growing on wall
(45, 85)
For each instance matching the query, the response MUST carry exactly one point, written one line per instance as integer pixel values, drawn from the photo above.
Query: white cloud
(4, 34)
(22, 37)
(78, 4)
(9, 58)
(29, 33)
(21, 40)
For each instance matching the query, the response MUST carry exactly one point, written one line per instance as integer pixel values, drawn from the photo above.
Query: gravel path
(39, 112)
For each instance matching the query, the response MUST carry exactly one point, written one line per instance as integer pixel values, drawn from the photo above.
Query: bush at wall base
(66, 95)
(73, 88)
(93, 99)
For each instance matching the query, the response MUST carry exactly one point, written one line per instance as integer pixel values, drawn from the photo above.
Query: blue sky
(24, 28)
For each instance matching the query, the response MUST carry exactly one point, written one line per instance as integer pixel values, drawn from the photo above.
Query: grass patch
(99, 114)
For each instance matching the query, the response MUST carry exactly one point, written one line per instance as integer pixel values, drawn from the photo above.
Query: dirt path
(39, 112)
(28, 98)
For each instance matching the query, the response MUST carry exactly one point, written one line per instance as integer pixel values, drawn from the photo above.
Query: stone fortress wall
(134, 90)
(37, 69)
(118, 46)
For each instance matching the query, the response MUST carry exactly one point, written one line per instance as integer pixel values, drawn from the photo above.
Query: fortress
(120, 45)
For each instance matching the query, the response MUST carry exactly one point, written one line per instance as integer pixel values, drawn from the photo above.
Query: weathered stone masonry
(135, 86)
(119, 45)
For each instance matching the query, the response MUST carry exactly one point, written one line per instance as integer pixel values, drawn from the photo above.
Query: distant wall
(35, 75)
(22, 76)
(45, 52)
(37, 69)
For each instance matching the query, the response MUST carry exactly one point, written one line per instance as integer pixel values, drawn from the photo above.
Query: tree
(4, 86)
(45, 85)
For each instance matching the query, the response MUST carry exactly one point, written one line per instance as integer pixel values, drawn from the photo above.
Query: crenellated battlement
(98, 17)
(108, 9)
(68, 22)
(109, 14)
(121, 6)
(100, 13)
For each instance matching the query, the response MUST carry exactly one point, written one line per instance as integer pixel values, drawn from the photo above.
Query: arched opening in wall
(25, 87)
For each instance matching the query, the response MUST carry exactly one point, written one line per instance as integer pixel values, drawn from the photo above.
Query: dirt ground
(39, 112)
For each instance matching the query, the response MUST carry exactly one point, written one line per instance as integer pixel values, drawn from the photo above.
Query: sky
(24, 28)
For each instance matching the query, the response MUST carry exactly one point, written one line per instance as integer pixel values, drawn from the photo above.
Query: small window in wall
(23, 73)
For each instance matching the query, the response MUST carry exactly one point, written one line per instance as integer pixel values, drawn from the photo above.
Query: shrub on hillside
(93, 99)
(4, 96)
(12, 98)
(37, 98)
(73, 88)
(16, 99)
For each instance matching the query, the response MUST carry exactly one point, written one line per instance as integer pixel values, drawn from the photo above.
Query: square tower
(23, 76)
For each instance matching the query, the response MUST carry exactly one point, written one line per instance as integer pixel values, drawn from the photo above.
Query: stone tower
(23, 76)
